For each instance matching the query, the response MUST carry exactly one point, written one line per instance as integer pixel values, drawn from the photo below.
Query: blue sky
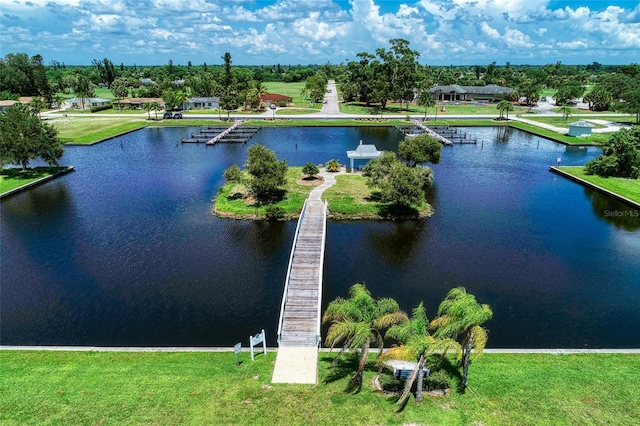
(445, 32)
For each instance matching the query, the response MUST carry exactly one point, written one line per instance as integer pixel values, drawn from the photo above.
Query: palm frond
(479, 337)
(389, 319)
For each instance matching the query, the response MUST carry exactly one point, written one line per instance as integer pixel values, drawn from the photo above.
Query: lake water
(125, 251)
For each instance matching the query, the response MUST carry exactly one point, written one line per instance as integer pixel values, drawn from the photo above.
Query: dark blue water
(125, 251)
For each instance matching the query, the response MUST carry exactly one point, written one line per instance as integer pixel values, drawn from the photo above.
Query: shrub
(333, 166)
(437, 380)
(233, 174)
(274, 213)
(101, 108)
(310, 169)
(389, 383)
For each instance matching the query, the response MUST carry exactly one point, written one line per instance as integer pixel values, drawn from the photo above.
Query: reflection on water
(125, 251)
(615, 212)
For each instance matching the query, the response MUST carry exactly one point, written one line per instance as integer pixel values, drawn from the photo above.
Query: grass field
(595, 138)
(450, 109)
(159, 388)
(293, 90)
(291, 203)
(628, 188)
(93, 129)
(14, 178)
(351, 198)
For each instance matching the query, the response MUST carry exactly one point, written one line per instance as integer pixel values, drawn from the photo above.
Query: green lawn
(61, 388)
(226, 203)
(595, 138)
(450, 109)
(14, 178)
(86, 130)
(350, 197)
(293, 90)
(628, 188)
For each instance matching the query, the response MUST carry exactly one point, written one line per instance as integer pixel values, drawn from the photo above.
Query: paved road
(330, 106)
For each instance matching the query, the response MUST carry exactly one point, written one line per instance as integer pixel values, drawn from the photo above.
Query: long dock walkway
(215, 139)
(300, 314)
(441, 138)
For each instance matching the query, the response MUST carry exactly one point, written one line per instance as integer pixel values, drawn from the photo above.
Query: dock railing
(324, 239)
(286, 281)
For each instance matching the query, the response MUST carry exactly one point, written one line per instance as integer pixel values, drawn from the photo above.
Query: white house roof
(365, 152)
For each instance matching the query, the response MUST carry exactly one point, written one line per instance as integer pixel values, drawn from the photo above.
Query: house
(136, 103)
(146, 82)
(455, 92)
(204, 102)
(580, 128)
(276, 99)
(6, 104)
(79, 103)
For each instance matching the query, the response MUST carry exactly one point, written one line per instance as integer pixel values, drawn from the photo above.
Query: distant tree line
(374, 78)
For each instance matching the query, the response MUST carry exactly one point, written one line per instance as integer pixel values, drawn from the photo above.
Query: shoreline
(37, 182)
(598, 188)
(523, 351)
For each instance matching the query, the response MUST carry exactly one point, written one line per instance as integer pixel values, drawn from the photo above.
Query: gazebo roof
(581, 123)
(364, 152)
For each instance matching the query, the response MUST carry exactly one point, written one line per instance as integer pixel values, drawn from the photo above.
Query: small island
(391, 186)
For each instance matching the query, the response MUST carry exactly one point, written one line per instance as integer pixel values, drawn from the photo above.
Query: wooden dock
(300, 313)
(436, 135)
(232, 134)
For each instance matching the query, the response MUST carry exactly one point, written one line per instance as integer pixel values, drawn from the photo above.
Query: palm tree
(258, 90)
(426, 100)
(358, 321)
(503, 106)
(418, 344)
(461, 316)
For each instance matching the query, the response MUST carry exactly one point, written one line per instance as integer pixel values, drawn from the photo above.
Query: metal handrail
(286, 281)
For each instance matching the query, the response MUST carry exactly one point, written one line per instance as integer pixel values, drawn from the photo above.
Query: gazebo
(363, 152)
(580, 128)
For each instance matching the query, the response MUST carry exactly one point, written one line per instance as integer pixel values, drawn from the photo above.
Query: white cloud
(491, 32)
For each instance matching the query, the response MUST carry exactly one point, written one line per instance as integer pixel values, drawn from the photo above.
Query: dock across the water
(235, 133)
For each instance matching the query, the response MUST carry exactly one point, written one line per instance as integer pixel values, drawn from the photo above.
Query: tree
(120, 89)
(620, 155)
(599, 99)
(106, 70)
(398, 183)
(333, 166)
(25, 137)
(630, 102)
(460, 316)
(568, 92)
(59, 100)
(147, 107)
(310, 169)
(566, 111)
(37, 104)
(503, 106)
(358, 322)
(420, 149)
(83, 88)
(425, 99)
(155, 107)
(316, 87)
(417, 344)
(267, 173)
